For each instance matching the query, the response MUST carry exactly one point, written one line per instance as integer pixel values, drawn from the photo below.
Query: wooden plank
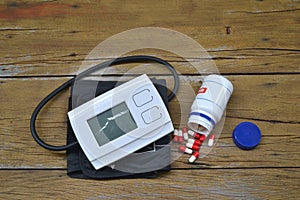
(240, 61)
(177, 184)
(254, 43)
(268, 100)
(52, 38)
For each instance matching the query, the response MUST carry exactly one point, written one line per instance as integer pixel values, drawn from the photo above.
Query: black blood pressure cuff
(145, 163)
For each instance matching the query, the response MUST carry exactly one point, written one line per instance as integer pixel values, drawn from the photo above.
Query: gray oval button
(151, 115)
(143, 97)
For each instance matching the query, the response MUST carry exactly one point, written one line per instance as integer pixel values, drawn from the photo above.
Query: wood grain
(177, 184)
(278, 121)
(50, 38)
(255, 44)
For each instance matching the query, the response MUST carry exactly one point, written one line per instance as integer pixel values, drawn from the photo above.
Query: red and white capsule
(185, 133)
(194, 135)
(211, 140)
(194, 142)
(180, 136)
(192, 146)
(185, 150)
(194, 157)
(175, 134)
(202, 137)
(191, 133)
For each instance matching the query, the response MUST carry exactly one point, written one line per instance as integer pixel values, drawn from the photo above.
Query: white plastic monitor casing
(147, 109)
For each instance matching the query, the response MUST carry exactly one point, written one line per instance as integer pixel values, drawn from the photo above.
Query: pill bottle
(209, 104)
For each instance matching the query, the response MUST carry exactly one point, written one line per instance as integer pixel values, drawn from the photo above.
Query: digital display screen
(112, 123)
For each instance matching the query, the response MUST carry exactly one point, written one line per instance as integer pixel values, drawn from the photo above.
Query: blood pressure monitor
(120, 121)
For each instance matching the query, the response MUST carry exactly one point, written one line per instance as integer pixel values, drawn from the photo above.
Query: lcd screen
(112, 123)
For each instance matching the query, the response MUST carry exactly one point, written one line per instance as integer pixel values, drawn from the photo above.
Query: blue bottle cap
(246, 135)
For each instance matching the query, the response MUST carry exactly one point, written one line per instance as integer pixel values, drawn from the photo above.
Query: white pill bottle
(210, 104)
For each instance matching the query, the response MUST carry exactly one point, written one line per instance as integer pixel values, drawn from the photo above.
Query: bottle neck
(201, 123)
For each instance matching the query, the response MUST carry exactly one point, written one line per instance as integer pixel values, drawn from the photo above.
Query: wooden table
(255, 44)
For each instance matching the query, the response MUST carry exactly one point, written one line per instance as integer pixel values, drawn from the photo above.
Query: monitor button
(151, 115)
(142, 97)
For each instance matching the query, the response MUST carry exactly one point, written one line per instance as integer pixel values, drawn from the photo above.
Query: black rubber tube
(122, 60)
